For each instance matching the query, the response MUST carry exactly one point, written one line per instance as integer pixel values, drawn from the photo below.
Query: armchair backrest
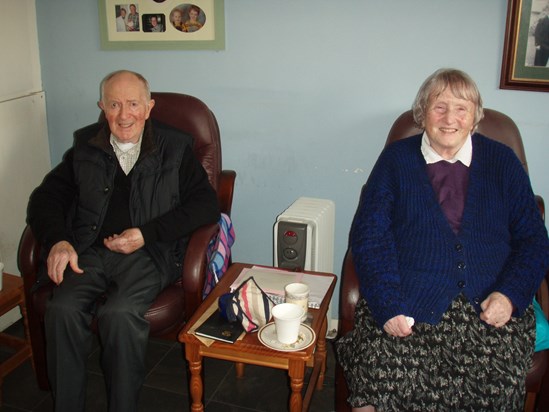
(191, 115)
(494, 125)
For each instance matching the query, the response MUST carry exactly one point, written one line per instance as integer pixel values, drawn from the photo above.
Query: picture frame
(162, 24)
(523, 56)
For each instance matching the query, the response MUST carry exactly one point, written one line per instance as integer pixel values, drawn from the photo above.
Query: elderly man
(114, 218)
(132, 20)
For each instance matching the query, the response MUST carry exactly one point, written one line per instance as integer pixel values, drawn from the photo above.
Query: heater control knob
(290, 253)
(290, 237)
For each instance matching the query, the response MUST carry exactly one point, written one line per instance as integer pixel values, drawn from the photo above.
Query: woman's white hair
(460, 84)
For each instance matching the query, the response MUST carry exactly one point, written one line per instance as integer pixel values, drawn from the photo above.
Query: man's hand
(61, 255)
(496, 309)
(398, 326)
(127, 242)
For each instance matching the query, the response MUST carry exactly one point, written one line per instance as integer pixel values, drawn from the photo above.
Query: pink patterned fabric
(219, 254)
(248, 304)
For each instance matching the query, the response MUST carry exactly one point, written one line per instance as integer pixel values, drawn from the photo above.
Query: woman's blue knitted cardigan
(409, 260)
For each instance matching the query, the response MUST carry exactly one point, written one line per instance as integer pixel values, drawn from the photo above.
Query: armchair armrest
(28, 255)
(350, 293)
(542, 296)
(28, 260)
(194, 266)
(225, 191)
(541, 206)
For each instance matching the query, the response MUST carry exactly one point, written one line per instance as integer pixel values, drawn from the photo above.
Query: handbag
(248, 304)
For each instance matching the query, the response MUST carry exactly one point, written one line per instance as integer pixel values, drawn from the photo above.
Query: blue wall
(304, 92)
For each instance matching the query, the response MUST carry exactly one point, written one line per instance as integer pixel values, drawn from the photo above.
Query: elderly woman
(450, 248)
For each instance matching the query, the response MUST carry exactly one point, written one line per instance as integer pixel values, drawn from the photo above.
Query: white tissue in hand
(410, 321)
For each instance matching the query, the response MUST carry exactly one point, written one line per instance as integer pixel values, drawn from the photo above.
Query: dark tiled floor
(166, 386)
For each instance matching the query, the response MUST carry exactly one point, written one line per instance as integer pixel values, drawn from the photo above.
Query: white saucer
(305, 338)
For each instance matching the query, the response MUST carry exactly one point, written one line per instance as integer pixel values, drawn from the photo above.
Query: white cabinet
(24, 148)
(24, 160)
(20, 62)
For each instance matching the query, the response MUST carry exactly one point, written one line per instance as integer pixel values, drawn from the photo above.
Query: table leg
(320, 353)
(196, 387)
(239, 366)
(296, 372)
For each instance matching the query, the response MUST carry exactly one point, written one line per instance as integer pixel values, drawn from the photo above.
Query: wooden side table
(12, 295)
(250, 350)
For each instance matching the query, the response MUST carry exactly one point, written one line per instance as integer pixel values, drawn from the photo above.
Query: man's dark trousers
(129, 284)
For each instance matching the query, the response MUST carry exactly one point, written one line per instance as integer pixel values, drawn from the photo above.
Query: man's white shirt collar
(464, 155)
(125, 147)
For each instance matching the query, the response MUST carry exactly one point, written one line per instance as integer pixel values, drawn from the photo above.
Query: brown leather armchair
(501, 128)
(177, 302)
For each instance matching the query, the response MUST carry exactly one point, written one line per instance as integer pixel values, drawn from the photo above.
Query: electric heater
(304, 236)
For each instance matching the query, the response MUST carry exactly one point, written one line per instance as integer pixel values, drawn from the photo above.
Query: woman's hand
(496, 309)
(398, 326)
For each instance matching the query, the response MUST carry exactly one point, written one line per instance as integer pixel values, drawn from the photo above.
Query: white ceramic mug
(287, 318)
(297, 293)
